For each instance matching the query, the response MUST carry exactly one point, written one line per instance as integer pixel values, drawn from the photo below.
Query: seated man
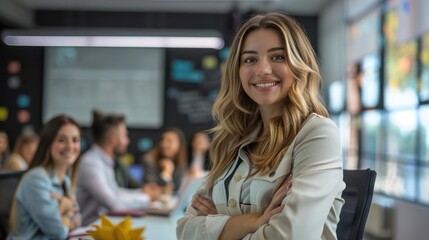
(97, 189)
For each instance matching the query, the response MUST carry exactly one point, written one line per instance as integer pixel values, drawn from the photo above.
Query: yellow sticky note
(209, 62)
(3, 114)
(127, 159)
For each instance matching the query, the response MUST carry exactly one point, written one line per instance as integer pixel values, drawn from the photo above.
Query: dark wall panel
(21, 90)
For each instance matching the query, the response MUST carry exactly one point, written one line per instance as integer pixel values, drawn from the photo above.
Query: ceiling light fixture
(114, 38)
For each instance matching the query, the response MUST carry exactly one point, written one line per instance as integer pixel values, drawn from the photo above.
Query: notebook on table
(79, 232)
(126, 212)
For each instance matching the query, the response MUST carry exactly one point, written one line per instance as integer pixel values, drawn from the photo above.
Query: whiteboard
(127, 81)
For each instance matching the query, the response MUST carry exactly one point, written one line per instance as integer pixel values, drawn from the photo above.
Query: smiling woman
(44, 206)
(276, 157)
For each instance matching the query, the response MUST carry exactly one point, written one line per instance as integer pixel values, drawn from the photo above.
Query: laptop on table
(170, 204)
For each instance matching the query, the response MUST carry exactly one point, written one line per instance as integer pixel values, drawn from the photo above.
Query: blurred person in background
(97, 188)
(4, 148)
(44, 206)
(166, 163)
(199, 160)
(23, 151)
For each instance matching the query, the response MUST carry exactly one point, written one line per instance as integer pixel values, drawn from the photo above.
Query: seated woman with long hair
(23, 151)
(166, 163)
(44, 206)
(4, 148)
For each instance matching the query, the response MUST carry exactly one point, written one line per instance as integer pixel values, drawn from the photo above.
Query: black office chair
(358, 198)
(9, 181)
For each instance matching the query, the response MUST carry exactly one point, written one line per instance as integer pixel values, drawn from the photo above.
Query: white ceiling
(20, 12)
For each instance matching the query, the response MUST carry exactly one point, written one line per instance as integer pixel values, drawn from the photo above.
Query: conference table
(156, 227)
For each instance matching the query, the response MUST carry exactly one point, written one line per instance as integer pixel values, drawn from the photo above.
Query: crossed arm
(237, 227)
(68, 210)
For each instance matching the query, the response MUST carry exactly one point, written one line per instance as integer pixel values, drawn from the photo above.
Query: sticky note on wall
(23, 101)
(14, 67)
(23, 116)
(209, 62)
(144, 144)
(3, 114)
(127, 159)
(14, 82)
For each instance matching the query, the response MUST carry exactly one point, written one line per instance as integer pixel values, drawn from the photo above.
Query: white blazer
(312, 206)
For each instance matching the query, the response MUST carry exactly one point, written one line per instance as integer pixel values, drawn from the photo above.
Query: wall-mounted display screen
(337, 98)
(397, 179)
(127, 81)
(424, 133)
(372, 139)
(363, 35)
(372, 132)
(424, 77)
(401, 77)
(371, 81)
(401, 135)
(424, 154)
(424, 184)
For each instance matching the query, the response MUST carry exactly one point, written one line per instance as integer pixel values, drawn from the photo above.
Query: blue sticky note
(23, 101)
(144, 144)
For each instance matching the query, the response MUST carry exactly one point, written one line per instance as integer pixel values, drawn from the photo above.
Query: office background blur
(374, 56)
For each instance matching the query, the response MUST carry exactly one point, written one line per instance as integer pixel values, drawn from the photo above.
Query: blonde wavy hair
(237, 115)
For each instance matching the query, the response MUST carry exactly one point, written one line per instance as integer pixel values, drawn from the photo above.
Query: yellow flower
(122, 231)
